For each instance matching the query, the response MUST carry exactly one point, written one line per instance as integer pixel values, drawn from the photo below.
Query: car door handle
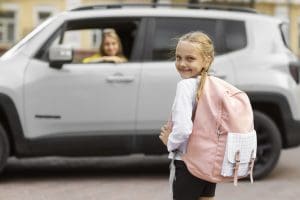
(119, 78)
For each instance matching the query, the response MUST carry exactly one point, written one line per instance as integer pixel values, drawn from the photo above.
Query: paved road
(130, 178)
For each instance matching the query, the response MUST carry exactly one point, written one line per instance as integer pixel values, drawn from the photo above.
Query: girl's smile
(184, 72)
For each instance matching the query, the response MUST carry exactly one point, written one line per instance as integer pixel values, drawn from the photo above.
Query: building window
(7, 27)
(42, 13)
(96, 38)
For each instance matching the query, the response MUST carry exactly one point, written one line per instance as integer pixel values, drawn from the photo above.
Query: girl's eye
(178, 57)
(190, 58)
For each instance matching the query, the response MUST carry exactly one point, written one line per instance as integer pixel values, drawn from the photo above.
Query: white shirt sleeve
(181, 116)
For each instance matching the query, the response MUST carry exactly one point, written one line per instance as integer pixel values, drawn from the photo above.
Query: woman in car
(110, 49)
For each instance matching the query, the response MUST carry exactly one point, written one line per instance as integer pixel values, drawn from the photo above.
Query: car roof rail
(156, 5)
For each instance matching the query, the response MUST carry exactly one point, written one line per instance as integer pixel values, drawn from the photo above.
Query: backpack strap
(194, 111)
(236, 167)
(251, 166)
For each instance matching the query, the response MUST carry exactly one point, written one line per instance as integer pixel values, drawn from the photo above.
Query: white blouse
(182, 110)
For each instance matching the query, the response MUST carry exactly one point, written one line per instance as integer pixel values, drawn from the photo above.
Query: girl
(194, 55)
(110, 49)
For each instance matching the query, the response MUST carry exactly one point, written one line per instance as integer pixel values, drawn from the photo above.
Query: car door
(159, 76)
(93, 99)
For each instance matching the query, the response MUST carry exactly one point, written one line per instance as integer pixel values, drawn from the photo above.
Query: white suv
(53, 104)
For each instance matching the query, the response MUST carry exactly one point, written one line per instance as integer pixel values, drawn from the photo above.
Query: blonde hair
(109, 32)
(206, 49)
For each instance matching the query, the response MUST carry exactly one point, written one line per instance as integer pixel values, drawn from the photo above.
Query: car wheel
(4, 148)
(268, 145)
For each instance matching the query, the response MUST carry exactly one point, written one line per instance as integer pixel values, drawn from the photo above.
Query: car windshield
(31, 35)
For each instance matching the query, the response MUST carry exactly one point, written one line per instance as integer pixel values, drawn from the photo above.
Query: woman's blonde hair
(109, 32)
(206, 49)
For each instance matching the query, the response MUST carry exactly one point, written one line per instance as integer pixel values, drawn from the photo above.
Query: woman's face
(110, 46)
(189, 61)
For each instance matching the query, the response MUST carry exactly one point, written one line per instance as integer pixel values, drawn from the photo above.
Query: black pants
(188, 187)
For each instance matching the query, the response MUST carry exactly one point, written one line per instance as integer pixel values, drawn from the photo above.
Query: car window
(85, 38)
(234, 34)
(227, 35)
(168, 30)
(284, 30)
(84, 42)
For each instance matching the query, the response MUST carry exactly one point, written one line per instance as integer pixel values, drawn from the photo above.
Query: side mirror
(60, 55)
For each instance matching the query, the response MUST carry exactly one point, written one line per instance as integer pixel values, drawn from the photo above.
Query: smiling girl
(194, 55)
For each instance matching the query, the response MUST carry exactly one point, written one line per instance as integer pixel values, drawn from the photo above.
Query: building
(19, 17)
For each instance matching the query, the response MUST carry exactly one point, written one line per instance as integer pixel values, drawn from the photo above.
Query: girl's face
(189, 61)
(110, 46)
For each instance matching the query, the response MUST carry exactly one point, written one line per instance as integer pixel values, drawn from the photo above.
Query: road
(130, 178)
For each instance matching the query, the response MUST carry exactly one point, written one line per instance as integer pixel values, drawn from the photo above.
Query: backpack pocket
(239, 154)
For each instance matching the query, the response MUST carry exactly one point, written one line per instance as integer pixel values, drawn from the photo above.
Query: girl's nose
(182, 64)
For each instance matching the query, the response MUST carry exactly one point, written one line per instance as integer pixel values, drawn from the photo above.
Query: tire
(268, 145)
(4, 148)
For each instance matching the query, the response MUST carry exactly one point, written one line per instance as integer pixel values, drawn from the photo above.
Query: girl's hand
(164, 134)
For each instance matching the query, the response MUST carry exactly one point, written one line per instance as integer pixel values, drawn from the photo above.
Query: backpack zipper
(218, 132)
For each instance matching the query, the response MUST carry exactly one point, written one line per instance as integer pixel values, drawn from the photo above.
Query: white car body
(134, 98)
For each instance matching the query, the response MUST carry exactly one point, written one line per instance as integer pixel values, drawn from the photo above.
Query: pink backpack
(222, 145)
